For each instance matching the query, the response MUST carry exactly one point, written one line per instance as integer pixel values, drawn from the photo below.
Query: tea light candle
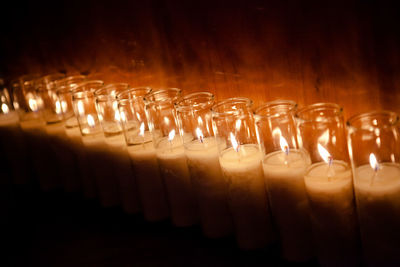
(124, 173)
(210, 185)
(174, 169)
(149, 182)
(284, 176)
(100, 162)
(247, 195)
(377, 189)
(330, 191)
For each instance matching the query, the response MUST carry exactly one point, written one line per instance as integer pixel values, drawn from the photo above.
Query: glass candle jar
(201, 149)
(97, 150)
(329, 184)
(142, 153)
(12, 145)
(374, 145)
(284, 167)
(240, 157)
(168, 142)
(30, 106)
(111, 122)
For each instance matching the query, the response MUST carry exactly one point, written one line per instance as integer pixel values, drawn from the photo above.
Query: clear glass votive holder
(284, 167)
(374, 146)
(329, 185)
(201, 149)
(240, 157)
(111, 122)
(97, 150)
(142, 153)
(168, 142)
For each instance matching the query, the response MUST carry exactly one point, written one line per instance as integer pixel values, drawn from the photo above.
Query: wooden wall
(309, 51)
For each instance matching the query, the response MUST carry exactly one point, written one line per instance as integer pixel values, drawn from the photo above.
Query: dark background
(309, 51)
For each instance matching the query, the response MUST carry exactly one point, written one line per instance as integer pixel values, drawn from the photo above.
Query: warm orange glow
(90, 120)
(171, 135)
(5, 108)
(141, 129)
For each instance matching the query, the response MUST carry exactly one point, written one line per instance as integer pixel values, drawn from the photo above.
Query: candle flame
(238, 124)
(141, 129)
(122, 115)
(64, 106)
(200, 121)
(235, 144)
(58, 108)
(5, 108)
(90, 120)
(33, 104)
(325, 154)
(171, 135)
(373, 162)
(117, 116)
(284, 145)
(81, 108)
(199, 134)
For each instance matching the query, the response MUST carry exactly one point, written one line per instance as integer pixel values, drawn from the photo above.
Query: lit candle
(284, 176)
(377, 188)
(242, 167)
(210, 185)
(142, 153)
(333, 217)
(173, 164)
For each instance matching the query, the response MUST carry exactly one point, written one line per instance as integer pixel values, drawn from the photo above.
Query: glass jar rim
(393, 119)
(79, 92)
(300, 113)
(63, 84)
(186, 103)
(130, 93)
(266, 110)
(103, 93)
(152, 96)
(231, 101)
(45, 83)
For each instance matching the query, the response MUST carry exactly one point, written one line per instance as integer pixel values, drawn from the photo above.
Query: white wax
(101, 163)
(378, 199)
(247, 196)
(124, 173)
(180, 193)
(149, 182)
(284, 177)
(86, 172)
(333, 213)
(211, 187)
(12, 141)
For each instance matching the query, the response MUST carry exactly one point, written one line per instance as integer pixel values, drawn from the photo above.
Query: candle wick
(374, 175)
(330, 161)
(286, 149)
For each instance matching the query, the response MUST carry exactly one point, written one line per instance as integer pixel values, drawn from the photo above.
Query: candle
(333, 217)
(210, 185)
(100, 161)
(76, 145)
(284, 176)
(377, 188)
(247, 196)
(174, 169)
(150, 185)
(66, 159)
(124, 173)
